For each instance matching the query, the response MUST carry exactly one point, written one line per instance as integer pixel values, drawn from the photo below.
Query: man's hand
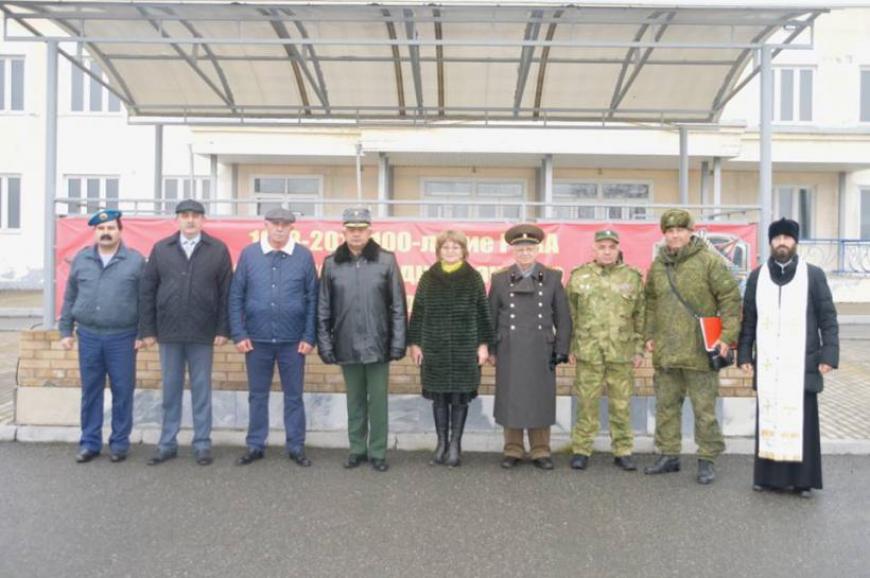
(305, 348)
(482, 354)
(138, 344)
(148, 341)
(824, 368)
(572, 359)
(723, 348)
(416, 355)
(219, 340)
(650, 346)
(67, 342)
(492, 359)
(637, 361)
(747, 369)
(244, 346)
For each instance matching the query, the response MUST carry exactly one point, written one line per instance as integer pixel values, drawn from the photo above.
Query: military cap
(524, 234)
(280, 215)
(104, 216)
(676, 218)
(358, 217)
(784, 227)
(190, 205)
(606, 235)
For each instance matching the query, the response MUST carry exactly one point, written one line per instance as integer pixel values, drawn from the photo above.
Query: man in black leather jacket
(361, 325)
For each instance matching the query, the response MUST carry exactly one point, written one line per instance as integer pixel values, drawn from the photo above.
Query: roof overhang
(417, 63)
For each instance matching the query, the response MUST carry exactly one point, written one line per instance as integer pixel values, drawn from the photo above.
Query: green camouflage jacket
(703, 279)
(607, 307)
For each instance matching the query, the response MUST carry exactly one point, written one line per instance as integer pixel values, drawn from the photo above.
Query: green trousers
(672, 386)
(589, 382)
(367, 421)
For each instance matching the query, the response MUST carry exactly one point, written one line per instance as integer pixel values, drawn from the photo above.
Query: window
(865, 214)
(88, 194)
(796, 203)
(177, 188)
(299, 194)
(865, 95)
(10, 202)
(604, 201)
(503, 198)
(88, 95)
(793, 95)
(11, 83)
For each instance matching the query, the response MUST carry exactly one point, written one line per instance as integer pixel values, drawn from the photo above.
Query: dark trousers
(197, 359)
(112, 356)
(260, 364)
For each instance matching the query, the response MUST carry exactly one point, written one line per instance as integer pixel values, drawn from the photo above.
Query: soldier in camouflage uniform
(682, 368)
(607, 307)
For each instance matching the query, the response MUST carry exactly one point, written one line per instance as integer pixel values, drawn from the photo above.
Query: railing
(841, 256)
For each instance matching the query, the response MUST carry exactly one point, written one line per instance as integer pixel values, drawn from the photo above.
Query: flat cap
(356, 217)
(280, 215)
(606, 235)
(104, 216)
(784, 227)
(524, 234)
(676, 218)
(190, 205)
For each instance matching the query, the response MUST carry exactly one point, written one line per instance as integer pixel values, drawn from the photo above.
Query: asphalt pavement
(273, 518)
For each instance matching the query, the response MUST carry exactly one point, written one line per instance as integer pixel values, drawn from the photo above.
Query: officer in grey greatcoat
(532, 325)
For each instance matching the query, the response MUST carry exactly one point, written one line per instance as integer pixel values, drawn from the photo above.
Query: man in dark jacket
(102, 301)
(789, 340)
(273, 305)
(183, 305)
(532, 325)
(361, 325)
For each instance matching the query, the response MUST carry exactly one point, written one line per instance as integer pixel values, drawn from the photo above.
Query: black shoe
(204, 458)
(380, 465)
(625, 462)
(805, 493)
(353, 460)
(85, 455)
(117, 458)
(664, 465)
(300, 458)
(159, 458)
(543, 463)
(706, 472)
(458, 413)
(441, 415)
(249, 457)
(509, 462)
(579, 462)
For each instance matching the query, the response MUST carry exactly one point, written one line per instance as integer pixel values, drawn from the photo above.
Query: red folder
(711, 329)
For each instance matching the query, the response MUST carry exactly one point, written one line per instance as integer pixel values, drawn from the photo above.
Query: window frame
(282, 198)
(601, 204)
(87, 87)
(861, 72)
(797, 99)
(807, 233)
(102, 201)
(6, 84)
(864, 193)
(168, 205)
(473, 212)
(4, 203)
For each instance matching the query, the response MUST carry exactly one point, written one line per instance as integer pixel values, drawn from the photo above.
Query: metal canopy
(415, 62)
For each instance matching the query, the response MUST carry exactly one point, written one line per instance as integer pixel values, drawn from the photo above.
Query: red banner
(566, 245)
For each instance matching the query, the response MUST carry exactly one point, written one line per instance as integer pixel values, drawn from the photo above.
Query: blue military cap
(104, 216)
(359, 217)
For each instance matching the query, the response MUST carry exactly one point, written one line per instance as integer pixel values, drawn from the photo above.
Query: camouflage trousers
(589, 382)
(672, 386)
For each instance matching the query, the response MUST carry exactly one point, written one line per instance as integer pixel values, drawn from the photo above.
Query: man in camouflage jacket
(607, 307)
(673, 335)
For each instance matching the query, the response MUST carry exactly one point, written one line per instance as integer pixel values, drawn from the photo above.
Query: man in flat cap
(101, 302)
(183, 303)
(687, 280)
(789, 340)
(607, 306)
(361, 326)
(532, 326)
(273, 309)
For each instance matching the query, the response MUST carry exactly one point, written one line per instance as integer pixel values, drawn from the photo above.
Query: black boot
(441, 414)
(706, 472)
(458, 413)
(664, 465)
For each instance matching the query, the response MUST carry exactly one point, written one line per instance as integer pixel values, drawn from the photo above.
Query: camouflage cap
(676, 218)
(606, 235)
(524, 234)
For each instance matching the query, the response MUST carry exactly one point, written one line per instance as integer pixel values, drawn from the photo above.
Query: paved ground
(8, 368)
(844, 406)
(276, 519)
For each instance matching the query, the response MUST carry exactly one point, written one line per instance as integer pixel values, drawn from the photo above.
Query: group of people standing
(276, 311)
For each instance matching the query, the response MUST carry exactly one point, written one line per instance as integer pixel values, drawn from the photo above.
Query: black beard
(783, 254)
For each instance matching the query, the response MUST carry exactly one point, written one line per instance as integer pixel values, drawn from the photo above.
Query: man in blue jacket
(273, 305)
(102, 301)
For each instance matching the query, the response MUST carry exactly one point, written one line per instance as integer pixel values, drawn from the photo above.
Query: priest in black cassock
(789, 340)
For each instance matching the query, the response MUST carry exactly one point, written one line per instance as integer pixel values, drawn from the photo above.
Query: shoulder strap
(669, 272)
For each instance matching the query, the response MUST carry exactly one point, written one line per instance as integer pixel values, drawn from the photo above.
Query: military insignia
(103, 216)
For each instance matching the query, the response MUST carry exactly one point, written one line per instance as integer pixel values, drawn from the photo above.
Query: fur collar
(462, 273)
(370, 252)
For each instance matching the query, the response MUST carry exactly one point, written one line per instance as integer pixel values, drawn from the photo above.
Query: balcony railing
(841, 256)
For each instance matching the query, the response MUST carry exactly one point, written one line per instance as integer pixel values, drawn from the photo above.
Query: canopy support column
(765, 166)
(49, 290)
(684, 165)
(547, 182)
(717, 182)
(158, 167)
(213, 186)
(384, 193)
